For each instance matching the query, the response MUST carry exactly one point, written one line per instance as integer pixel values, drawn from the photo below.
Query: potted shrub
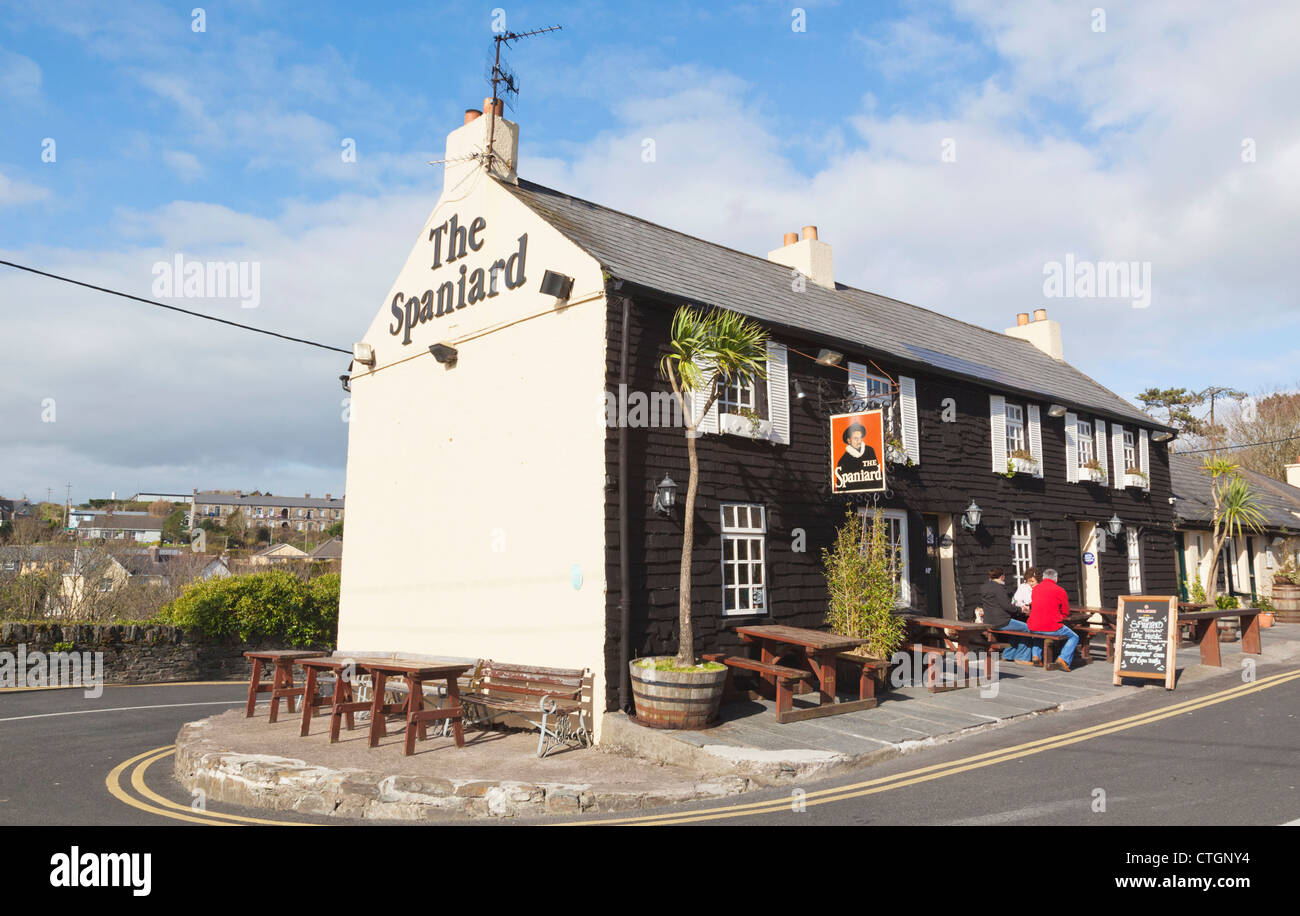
(1266, 612)
(678, 691)
(1286, 592)
(860, 580)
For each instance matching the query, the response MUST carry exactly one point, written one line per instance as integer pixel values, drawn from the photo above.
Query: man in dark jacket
(1000, 614)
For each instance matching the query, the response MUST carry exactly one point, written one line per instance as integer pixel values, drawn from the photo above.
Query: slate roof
(127, 521)
(1280, 502)
(291, 502)
(691, 269)
(328, 550)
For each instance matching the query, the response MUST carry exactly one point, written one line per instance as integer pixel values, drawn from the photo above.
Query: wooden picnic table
(415, 673)
(1205, 631)
(281, 686)
(341, 702)
(818, 651)
(963, 633)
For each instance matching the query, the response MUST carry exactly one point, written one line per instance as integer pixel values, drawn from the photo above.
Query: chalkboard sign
(1146, 638)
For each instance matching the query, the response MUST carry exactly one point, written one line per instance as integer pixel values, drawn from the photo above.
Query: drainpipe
(624, 611)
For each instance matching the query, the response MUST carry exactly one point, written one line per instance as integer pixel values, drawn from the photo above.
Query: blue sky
(1120, 143)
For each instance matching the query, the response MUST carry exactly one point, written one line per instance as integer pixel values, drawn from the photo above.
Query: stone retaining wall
(142, 654)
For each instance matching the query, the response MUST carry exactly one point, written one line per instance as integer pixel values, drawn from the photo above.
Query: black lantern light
(970, 519)
(1114, 526)
(665, 496)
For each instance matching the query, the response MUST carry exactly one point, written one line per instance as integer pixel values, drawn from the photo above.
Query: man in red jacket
(1047, 612)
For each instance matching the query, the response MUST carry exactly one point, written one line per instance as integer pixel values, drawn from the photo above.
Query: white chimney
(467, 147)
(810, 257)
(1042, 333)
(1293, 473)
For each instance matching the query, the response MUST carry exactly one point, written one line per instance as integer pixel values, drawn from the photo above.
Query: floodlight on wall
(665, 496)
(1056, 410)
(1114, 526)
(444, 353)
(557, 285)
(970, 519)
(829, 357)
(1162, 436)
(799, 393)
(363, 353)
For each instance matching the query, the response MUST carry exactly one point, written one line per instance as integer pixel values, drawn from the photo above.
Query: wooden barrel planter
(1286, 602)
(676, 699)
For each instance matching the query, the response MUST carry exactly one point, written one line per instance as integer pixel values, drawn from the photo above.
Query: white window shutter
(858, 379)
(1117, 441)
(1099, 446)
(1071, 447)
(1144, 457)
(998, 432)
(907, 412)
(778, 392)
(1036, 439)
(709, 422)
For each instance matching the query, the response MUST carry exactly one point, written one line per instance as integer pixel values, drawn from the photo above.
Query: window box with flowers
(1133, 477)
(896, 453)
(1021, 461)
(1092, 471)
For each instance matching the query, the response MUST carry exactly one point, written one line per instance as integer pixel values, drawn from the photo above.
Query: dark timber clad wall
(792, 482)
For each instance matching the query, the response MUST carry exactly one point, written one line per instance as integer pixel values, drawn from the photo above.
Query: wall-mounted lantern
(665, 496)
(1114, 526)
(970, 519)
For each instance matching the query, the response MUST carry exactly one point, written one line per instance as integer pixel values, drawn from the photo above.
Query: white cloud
(185, 165)
(13, 192)
(20, 77)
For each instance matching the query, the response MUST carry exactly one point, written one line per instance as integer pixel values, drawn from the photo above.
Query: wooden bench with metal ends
(562, 696)
(787, 680)
(1049, 641)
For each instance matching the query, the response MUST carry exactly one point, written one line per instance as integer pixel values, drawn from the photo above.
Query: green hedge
(271, 605)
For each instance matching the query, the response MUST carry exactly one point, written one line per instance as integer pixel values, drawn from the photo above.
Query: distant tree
(263, 534)
(335, 530)
(174, 529)
(1265, 432)
(237, 527)
(1177, 403)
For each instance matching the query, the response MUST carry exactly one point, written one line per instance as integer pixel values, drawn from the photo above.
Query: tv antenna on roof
(503, 81)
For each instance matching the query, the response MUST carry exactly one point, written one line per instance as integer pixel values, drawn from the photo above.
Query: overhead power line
(1224, 448)
(174, 308)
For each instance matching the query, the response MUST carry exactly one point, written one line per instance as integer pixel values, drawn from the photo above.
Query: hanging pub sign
(857, 452)
(1146, 638)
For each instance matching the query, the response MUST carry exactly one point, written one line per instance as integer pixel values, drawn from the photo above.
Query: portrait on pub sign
(858, 452)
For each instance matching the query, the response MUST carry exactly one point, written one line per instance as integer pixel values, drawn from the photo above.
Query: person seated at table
(1025, 590)
(1049, 608)
(1001, 614)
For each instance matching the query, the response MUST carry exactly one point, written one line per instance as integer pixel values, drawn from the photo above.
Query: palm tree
(706, 347)
(1235, 507)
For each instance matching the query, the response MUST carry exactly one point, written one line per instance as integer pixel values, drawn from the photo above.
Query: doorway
(939, 574)
(1089, 574)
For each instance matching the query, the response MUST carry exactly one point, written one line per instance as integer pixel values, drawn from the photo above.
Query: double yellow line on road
(164, 807)
(940, 770)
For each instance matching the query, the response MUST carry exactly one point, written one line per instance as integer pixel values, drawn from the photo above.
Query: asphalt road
(1219, 752)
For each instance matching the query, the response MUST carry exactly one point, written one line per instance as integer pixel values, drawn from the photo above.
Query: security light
(1162, 436)
(444, 353)
(1056, 410)
(557, 285)
(363, 353)
(799, 393)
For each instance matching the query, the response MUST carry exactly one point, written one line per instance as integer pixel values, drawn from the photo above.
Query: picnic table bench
(282, 685)
(560, 695)
(793, 661)
(957, 636)
(1205, 631)
(415, 673)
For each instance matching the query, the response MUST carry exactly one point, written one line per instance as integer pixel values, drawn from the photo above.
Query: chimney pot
(810, 232)
(1040, 314)
(1022, 319)
(472, 114)
(790, 238)
(489, 108)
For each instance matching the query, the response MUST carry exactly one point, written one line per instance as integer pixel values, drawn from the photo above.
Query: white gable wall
(474, 491)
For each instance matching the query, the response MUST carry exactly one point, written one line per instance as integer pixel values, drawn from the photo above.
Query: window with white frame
(744, 553)
(1016, 429)
(1022, 547)
(1130, 451)
(1134, 564)
(896, 535)
(736, 395)
(1085, 440)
